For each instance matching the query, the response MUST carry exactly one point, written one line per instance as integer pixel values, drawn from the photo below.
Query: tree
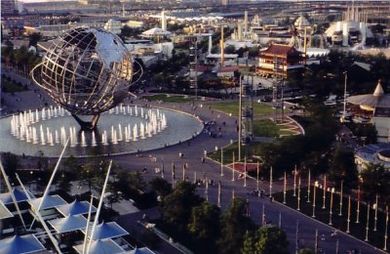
(306, 251)
(343, 167)
(375, 180)
(266, 240)
(34, 38)
(10, 163)
(204, 227)
(234, 225)
(161, 186)
(177, 206)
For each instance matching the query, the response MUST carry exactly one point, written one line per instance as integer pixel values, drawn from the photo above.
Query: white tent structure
(21, 245)
(155, 33)
(107, 230)
(107, 246)
(49, 202)
(19, 195)
(69, 224)
(75, 208)
(4, 212)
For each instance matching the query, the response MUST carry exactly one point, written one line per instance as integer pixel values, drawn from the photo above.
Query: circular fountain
(123, 129)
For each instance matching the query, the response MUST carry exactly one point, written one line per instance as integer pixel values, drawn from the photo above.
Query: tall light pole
(386, 225)
(376, 211)
(295, 181)
(308, 186)
(314, 199)
(233, 169)
(367, 222)
(239, 119)
(331, 207)
(341, 198)
(324, 194)
(270, 183)
(345, 96)
(349, 213)
(284, 187)
(299, 194)
(221, 161)
(358, 206)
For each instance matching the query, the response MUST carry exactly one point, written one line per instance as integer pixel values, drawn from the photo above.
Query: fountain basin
(122, 130)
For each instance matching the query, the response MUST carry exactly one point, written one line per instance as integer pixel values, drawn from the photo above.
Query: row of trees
(21, 59)
(206, 229)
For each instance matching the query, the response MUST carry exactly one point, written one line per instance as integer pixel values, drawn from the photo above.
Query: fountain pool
(124, 129)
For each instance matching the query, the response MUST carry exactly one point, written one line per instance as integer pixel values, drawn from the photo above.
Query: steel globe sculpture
(87, 71)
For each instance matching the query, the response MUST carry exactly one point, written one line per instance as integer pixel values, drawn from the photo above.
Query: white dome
(301, 22)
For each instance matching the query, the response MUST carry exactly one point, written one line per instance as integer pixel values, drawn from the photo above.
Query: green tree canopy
(204, 227)
(234, 225)
(177, 206)
(343, 167)
(266, 240)
(376, 180)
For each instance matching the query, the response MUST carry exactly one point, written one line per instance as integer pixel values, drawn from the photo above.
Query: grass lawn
(168, 98)
(358, 230)
(228, 151)
(265, 128)
(230, 107)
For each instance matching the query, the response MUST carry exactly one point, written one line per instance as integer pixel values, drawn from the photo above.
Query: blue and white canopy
(50, 202)
(107, 230)
(20, 245)
(107, 246)
(144, 250)
(19, 194)
(74, 208)
(69, 224)
(4, 212)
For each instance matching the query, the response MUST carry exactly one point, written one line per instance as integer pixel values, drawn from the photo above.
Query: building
(113, 26)
(8, 7)
(373, 108)
(279, 60)
(352, 30)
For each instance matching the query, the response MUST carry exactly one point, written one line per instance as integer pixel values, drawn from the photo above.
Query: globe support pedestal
(85, 125)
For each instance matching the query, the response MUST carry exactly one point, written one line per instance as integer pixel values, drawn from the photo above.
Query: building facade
(278, 60)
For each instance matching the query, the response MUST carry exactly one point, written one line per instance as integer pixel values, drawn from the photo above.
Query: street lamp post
(299, 194)
(245, 172)
(367, 222)
(324, 194)
(341, 198)
(284, 187)
(376, 212)
(358, 206)
(331, 207)
(308, 186)
(221, 161)
(234, 163)
(349, 213)
(270, 183)
(314, 199)
(345, 96)
(219, 194)
(295, 181)
(257, 176)
(386, 225)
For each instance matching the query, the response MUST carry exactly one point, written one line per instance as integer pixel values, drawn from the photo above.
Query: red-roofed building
(278, 60)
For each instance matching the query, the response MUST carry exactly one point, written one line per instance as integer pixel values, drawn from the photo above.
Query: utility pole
(194, 65)
(239, 119)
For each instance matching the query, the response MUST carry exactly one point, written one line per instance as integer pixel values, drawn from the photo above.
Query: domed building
(301, 23)
(373, 108)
